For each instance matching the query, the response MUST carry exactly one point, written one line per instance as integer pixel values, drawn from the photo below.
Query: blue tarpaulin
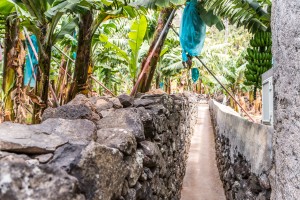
(192, 31)
(31, 63)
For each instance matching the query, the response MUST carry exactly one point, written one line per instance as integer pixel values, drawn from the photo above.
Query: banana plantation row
(55, 49)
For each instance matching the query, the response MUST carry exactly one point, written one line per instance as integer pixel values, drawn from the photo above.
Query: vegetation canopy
(110, 47)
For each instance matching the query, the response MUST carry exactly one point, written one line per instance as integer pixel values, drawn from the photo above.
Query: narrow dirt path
(202, 181)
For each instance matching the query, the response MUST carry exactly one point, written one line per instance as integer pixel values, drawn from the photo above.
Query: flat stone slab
(20, 138)
(79, 131)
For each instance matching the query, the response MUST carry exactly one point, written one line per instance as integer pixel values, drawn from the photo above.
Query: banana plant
(255, 15)
(98, 12)
(41, 18)
(135, 41)
(14, 57)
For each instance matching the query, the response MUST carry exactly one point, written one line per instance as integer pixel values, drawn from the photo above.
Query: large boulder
(101, 171)
(46, 137)
(27, 139)
(21, 180)
(128, 119)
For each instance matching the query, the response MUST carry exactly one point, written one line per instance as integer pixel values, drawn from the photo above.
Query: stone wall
(100, 148)
(244, 154)
(286, 55)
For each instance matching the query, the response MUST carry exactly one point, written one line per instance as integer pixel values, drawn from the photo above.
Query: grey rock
(80, 131)
(101, 172)
(135, 165)
(153, 156)
(147, 119)
(105, 113)
(25, 139)
(158, 109)
(126, 100)
(143, 102)
(20, 180)
(131, 195)
(70, 111)
(144, 191)
(66, 156)
(127, 119)
(4, 154)
(44, 158)
(152, 96)
(125, 188)
(116, 102)
(81, 99)
(149, 173)
(121, 139)
(264, 181)
(103, 104)
(143, 177)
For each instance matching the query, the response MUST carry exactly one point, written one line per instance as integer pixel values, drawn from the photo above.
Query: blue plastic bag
(192, 31)
(161, 85)
(195, 74)
(31, 63)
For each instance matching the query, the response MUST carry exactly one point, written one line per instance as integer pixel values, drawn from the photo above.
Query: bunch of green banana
(261, 39)
(259, 57)
(2, 26)
(256, 55)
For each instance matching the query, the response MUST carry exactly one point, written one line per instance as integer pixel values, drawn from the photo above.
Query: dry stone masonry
(100, 148)
(244, 154)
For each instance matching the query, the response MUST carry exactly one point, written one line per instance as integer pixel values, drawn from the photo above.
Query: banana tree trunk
(145, 83)
(157, 81)
(14, 56)
(200, 86)
(42, 83)
(83, 55)
(62, 76)
(169, 85)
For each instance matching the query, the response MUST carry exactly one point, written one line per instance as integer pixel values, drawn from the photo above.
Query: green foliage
(248, 13)
(259, 57)
(224, 53)
(109, 45)
(209, 17)
(157, 3)
(6, 7)
(136, 38)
